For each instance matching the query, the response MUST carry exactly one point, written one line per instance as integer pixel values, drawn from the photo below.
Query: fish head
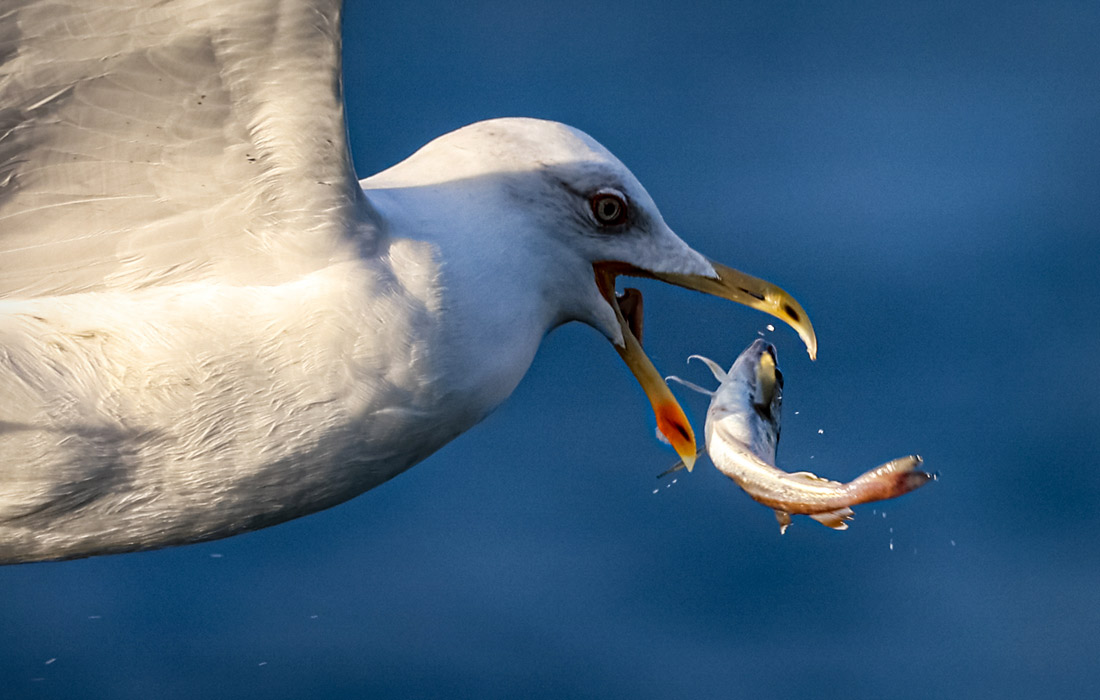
(747, 406)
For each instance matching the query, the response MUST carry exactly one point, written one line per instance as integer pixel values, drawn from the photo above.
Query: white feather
(206, 324)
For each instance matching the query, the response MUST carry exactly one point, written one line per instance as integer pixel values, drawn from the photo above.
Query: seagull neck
(489, 310)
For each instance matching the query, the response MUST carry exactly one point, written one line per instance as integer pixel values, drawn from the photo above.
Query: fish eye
(608, 207)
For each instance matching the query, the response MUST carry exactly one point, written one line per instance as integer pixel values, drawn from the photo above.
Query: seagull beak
(671, 420)
(748, 290)
(728, 284)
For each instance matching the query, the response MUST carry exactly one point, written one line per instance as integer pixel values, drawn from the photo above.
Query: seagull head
(562, 203)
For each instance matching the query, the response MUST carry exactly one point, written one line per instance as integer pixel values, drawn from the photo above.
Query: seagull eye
(609, 209)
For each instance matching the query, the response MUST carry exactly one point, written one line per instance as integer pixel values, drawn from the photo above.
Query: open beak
(729, 284)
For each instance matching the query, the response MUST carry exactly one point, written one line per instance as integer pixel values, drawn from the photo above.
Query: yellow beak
(729, 284)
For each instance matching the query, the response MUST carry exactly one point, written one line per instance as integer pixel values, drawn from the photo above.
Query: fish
(742, 435)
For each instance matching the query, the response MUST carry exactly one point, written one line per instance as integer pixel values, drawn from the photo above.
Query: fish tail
(890, 480)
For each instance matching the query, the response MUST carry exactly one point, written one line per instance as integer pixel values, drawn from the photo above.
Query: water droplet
(771, 327)
(50, 661)
(656, 490)
(820, 431)
(952, 543)
(216, 556)
(891, 544)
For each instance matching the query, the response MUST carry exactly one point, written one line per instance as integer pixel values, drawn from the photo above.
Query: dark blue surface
(925, 179)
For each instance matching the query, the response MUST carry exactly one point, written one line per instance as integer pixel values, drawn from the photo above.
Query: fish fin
(674, 468)
(689, 385)
(784, 519)
(679, 465)
(715, 368)
(890, 480)
(836, 519)
(808, 475)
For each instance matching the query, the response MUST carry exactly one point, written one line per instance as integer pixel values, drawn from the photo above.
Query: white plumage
(207, 325)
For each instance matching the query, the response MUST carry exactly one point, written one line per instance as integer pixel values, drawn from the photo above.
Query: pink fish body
(742, 433)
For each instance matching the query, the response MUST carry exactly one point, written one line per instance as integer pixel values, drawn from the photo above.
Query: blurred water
(923, 178)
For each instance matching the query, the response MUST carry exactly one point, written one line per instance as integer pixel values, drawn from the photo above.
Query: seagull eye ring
(609, 208)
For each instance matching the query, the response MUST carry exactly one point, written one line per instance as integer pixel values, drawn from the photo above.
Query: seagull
(209, 325)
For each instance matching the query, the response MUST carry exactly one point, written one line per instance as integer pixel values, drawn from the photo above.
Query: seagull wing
(145, 142)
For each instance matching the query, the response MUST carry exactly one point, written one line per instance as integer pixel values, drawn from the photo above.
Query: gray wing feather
(145, 142)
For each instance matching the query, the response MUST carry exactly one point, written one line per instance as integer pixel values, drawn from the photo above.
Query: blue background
(923, 177)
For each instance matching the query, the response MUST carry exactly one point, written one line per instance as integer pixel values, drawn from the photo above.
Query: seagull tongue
(630, 304)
